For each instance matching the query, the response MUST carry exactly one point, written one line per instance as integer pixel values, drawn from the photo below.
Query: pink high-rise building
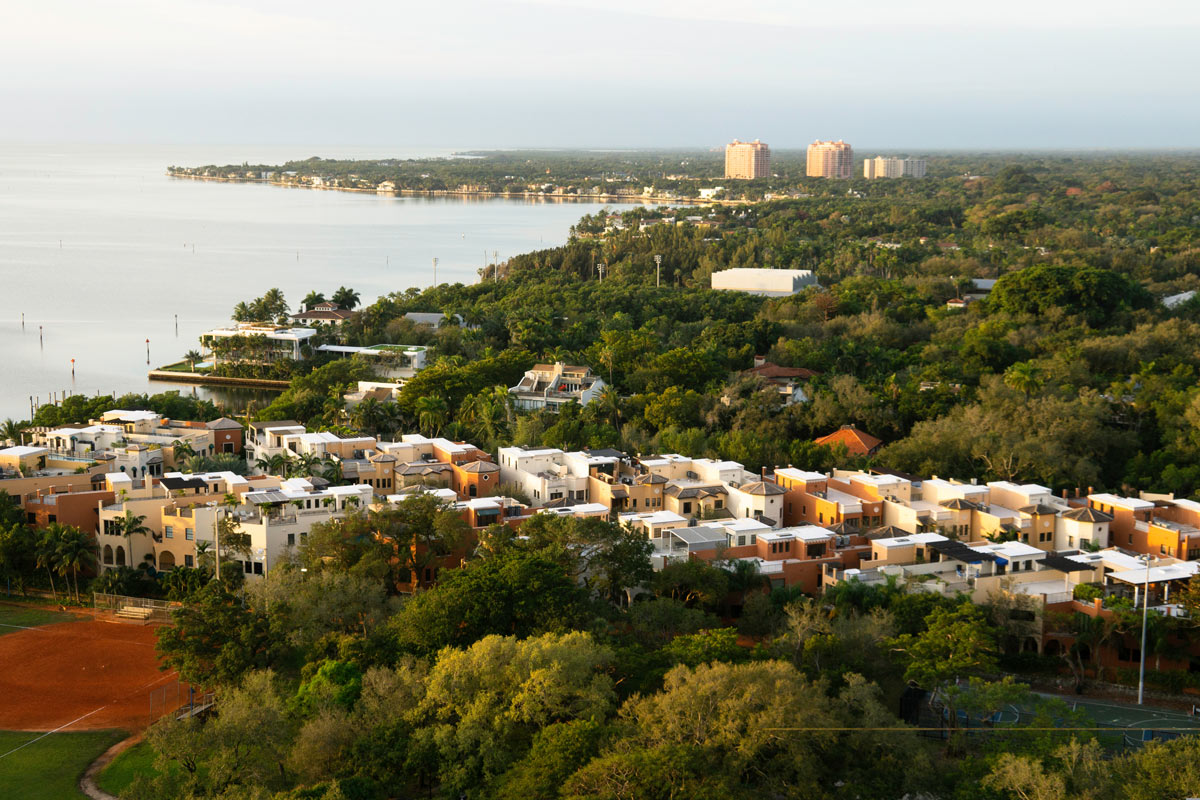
(830, 159)
(747, 160)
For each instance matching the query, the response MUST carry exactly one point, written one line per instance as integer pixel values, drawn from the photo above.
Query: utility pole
(1145, 607)
(657, 271)
(435, 272)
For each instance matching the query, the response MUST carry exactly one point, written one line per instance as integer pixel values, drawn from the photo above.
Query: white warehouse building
(768, 282)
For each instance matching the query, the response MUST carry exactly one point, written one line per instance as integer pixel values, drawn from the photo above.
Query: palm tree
(1025, 377)
(431, 413)
(303, 464)
(368, 414)
(74, 552)
(131, 524)
(331, 471)
(609, 405)
(182, 449)
(204, 552)
(47, 554)
(345, 298)
(13, 431)
(192, 356)
(312, 298)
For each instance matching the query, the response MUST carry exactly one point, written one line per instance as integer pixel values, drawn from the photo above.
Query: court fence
(181, 698)
(134, 609)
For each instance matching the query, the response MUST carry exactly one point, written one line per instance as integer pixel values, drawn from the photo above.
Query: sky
(923, 74)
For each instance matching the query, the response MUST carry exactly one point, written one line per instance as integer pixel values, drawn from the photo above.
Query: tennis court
(1117, 724)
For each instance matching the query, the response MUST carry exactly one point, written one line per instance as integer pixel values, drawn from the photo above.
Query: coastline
(604, 198)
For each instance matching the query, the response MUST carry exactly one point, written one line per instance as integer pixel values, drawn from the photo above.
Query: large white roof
(21, 451)
(1131, 503)
(800, 474)
(911, 539)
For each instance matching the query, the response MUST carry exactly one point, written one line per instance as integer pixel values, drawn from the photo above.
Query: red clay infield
(84, 675)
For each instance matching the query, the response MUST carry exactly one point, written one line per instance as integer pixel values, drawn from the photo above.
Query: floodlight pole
(1145, 609)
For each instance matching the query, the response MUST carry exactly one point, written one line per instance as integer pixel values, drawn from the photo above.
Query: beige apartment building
(747, 160)
(830, 159)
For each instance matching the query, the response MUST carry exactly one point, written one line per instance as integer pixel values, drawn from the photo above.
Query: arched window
(108, 555)
(166, 560)
(120, 556)
(472, 490)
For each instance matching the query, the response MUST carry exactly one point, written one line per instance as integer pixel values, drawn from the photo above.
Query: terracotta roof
(479, 466)
(649, 477)
(339, 315)
(770, 370)
(888, 532)
(763, 488)
(222, 424)
(859, 443)
(1087, 514)
(423, 468)
(1040, 508)
(382, 457)
(958, 504)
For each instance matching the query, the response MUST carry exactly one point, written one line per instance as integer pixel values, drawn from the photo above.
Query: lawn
(13, 618)
(50, 767)
(119, 774)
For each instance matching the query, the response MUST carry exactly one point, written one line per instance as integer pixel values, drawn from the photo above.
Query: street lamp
(1145, 608)
(657, 271)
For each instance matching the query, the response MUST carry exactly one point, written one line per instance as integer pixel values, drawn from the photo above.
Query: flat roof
(1008, 549)
(800, 474)
(915, 538)
(807, 533)
(20, 451)
(1131, 503)
(1172, 572)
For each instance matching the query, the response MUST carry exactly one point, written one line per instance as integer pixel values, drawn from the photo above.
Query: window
(188, 561)
(169, 531)
(741, 540)
(1162, 549)
(291, 540)
(687, 507)
(258, 568)
(1070, 541)
(719, 504)
(189, 534)
(246, 567)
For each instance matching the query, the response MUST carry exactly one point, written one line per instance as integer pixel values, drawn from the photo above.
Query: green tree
(514, 593)
(215, 639)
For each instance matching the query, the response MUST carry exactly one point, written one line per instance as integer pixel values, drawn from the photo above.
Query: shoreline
(605, 198)
(201, 379)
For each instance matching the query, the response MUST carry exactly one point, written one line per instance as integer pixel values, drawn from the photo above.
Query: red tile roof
(857, 442)
(770, 370)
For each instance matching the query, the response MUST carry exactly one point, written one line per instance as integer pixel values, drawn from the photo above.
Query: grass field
(14, 618)
(119, 774)
(49, 768)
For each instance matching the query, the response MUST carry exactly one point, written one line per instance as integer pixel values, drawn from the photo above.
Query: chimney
(760, 360)
(1089, 490)
(1077, 491)
(763, 472)
(1064, 494)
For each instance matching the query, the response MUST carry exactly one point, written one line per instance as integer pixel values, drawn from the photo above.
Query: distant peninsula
(683, 176)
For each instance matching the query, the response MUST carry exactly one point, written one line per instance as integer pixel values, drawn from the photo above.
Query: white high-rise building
(915, 167)
(887, 167)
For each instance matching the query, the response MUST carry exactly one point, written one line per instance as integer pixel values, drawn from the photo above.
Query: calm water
(101, 250)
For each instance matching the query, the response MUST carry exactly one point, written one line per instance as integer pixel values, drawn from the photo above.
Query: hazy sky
(458, 73)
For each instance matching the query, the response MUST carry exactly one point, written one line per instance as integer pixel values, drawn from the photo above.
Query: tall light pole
(1145, 608)
(435, 272)
(657, 271)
